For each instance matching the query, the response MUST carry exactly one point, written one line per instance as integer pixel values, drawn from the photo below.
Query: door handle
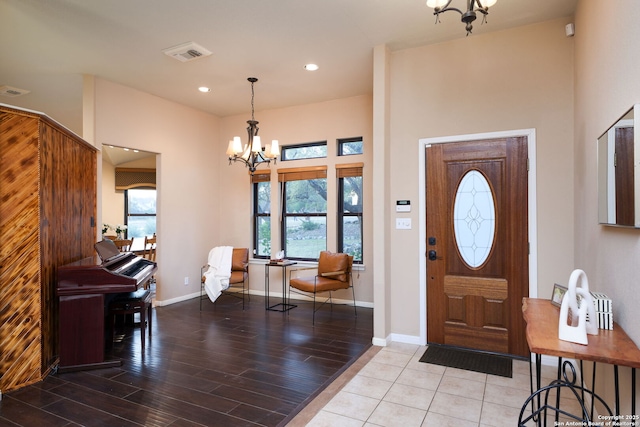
(432, 255)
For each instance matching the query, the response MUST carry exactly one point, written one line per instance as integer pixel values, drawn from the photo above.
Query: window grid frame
(140, 215)
(343, 141)
(285, 215)
(257, 216)
(341, 215)
(285, 148)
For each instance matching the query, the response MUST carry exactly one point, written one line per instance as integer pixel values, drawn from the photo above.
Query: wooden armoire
(47, 219)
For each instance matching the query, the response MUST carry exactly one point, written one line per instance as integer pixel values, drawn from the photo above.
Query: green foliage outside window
(305, 225)
(306, 196)
(350, 146)
(262, 212)
(351, 217)
(264, 236)
(304, 151)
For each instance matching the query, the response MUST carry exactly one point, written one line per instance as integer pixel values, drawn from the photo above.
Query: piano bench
(130, 303)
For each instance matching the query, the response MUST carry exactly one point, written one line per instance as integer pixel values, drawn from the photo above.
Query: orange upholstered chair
(239, 276)
(333, 273)
(239, 273)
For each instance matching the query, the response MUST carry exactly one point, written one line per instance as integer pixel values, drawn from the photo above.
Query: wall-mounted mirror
(618, 184)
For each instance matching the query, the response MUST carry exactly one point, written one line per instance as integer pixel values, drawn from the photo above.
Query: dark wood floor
(219, 367)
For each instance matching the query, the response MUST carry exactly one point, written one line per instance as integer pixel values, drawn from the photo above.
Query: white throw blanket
(216, 278)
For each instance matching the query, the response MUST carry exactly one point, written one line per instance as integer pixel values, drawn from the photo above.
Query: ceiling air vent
(187, 52)
(12, 91)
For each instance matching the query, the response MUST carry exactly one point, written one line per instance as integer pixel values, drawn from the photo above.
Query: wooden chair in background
(150, 248)
(124, 245)
(150, 254)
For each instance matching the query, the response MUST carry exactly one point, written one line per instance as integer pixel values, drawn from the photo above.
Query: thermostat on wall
(403, 205)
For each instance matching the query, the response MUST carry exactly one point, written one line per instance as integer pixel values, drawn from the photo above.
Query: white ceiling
(46, 45)
(120, 156)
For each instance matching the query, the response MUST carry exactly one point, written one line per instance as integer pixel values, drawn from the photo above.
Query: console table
(613, 347)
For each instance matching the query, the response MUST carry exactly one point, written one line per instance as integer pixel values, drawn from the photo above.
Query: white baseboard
(380, 342)
(406, 339)
(158, 303)
(298, 297)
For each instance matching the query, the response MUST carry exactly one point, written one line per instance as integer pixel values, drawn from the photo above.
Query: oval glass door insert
(474, 218)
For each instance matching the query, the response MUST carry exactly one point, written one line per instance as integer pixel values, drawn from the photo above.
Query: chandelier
(473, 6)
(252, 154)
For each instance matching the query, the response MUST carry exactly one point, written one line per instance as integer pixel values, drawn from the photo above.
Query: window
(304, 212)
(139, 186)
(309, 150)
(350, 210)
(140, 212)
(261, 214)
(350, 146)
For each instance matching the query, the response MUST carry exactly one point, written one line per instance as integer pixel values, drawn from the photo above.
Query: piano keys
(125, 273)
(84, 288)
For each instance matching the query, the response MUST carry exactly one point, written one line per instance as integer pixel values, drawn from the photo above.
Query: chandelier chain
(252, 95)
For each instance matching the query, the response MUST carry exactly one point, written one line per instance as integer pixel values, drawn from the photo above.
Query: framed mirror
(618, 184)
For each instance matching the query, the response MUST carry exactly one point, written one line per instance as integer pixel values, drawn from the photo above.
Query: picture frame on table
(557, 294)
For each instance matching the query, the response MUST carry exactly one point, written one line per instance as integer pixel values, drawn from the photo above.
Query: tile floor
(395, 389)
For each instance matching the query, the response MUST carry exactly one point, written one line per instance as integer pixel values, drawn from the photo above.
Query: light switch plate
(403, 223)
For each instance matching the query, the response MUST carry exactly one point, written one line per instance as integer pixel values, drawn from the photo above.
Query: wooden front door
(477, 244)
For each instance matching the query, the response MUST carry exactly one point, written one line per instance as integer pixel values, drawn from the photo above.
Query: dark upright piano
(84, 287)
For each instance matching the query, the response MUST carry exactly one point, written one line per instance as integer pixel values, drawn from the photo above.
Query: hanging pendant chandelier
(252, 154)
(473, 6)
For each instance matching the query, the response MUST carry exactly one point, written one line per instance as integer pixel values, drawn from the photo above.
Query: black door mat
(469, 360)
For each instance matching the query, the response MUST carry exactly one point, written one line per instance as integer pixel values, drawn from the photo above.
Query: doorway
(129, 192)
(477, 311)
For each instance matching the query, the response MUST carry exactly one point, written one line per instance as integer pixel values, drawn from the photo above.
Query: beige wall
(187, 183)
(202, 201)
(568, 89)
(520, 79)
(112, 200)
(606, 85)
(501, 81)
(344, 118)
(382, 199)
(515, 79)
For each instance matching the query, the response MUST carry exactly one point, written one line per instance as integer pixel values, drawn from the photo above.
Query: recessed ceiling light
(204, 89)
(125, 149)
(311, 67)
